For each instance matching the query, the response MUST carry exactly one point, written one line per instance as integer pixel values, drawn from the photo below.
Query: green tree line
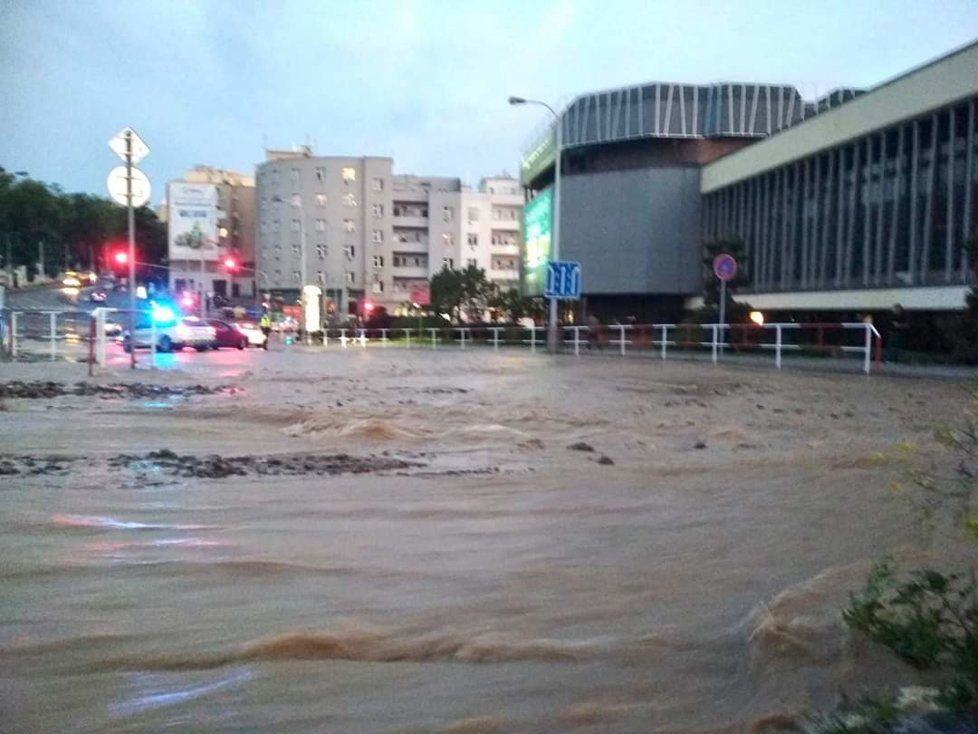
(73, 230)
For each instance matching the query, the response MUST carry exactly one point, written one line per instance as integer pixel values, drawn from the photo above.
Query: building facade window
(377, 184)
(447, 262)
(320, 174)
(351, 277)
(321, 200)
(296, 225)
(447, 239)
(350, 251)
(473, 239)
(321, 277)
(447, 214)
(349, 200)
(296, 250)
(296, 276)
(320, 225)
(295, 178)
(377, 261)
(472, 262)
(321, 251)
(349, 174)
(378, 211)
(473, 214)
(297, 200)
(378, 236)
(378, 286)
(349, 226)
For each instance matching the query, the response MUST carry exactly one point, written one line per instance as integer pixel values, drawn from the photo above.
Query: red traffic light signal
(121, 258)
(230, 263)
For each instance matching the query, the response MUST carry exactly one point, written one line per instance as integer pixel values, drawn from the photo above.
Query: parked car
(171, 333)
(256, 337)
(227, 335)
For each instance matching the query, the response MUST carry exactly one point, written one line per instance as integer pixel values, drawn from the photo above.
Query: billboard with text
(537, 241)
(192, 221)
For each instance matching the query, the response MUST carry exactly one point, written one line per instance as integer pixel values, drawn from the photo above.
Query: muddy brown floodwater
(389, 541)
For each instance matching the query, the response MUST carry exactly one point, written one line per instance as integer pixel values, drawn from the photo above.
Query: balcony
(410, 245)
(506, 250)
(410, 271)
(504, 225)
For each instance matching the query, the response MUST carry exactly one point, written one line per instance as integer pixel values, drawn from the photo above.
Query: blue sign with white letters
(563, 280)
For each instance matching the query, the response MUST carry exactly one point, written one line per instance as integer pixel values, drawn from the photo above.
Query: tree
(458, 292)
(511, 305)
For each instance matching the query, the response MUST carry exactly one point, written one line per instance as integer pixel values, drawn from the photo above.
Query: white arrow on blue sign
(563, 280)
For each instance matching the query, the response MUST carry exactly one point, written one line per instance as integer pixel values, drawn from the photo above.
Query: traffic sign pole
(132, 253)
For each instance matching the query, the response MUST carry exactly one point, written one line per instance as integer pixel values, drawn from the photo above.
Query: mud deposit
(384, 541)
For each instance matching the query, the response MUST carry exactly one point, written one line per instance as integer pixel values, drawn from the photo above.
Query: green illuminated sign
(537, 240)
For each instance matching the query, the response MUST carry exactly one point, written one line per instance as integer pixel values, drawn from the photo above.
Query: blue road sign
(563, 280)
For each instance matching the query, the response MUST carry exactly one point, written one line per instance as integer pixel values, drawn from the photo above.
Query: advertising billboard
(537, 234)
(192, 221)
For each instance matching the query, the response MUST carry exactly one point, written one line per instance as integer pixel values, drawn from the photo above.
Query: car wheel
(164, 345)
(242, 344)
(127, 346)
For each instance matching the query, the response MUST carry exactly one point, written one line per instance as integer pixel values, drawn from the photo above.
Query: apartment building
(334, 209)
(210, 213)
(370, 236)
(440, 223)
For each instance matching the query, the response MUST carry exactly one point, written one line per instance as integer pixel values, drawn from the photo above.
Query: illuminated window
(349, 200)
(349, 175)
(320, 199)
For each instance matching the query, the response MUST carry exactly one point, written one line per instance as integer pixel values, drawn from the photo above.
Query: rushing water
(507, 584)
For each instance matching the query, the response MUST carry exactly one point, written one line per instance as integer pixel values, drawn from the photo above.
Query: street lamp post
(553, 331)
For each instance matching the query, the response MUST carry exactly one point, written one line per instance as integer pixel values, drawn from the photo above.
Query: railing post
(434, 338)
(325, 338)
(461, 333)
(533, 339)
(91, 345)
(495, 338)
(343, 338)
(621, 339)
(152, 342)
(714, 328)
(577, 339)
(363, 338)
(407, 336)
(13, 333)
(53, 325)
(867, 355)
(665, 339)
(777, 346)
(383, 338)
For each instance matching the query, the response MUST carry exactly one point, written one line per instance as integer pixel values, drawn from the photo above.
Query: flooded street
(511, 543)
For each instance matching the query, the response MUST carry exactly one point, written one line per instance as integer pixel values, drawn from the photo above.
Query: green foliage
(73, 227)
(461, 291)
(510, 305)
(868, 716)
(929, 620)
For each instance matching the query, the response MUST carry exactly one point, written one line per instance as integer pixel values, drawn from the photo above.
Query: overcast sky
(424, 82)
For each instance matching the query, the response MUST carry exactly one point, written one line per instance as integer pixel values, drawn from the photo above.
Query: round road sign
(116, 183)
(725, 267)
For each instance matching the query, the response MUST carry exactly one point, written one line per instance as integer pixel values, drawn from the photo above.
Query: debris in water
(699, 445)
(581, 446)
(214, 466)
(36, 389)
(606, 460)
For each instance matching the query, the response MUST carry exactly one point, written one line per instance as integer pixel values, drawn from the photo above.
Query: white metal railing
(49, 333)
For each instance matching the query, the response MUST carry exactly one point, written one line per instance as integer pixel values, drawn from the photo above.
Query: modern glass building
(864, 205)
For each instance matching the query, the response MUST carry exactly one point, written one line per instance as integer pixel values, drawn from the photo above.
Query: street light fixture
(553, 332)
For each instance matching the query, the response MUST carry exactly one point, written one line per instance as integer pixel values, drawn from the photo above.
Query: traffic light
(121, 257)
(230, 264)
